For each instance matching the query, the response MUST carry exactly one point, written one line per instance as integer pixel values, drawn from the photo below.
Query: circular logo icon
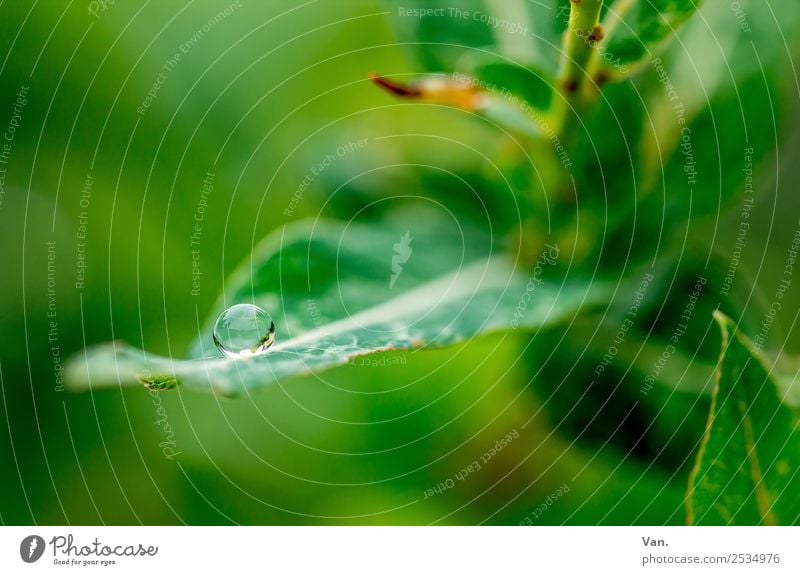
(31, 548)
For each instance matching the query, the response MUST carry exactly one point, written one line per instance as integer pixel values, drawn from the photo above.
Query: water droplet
(244, 330)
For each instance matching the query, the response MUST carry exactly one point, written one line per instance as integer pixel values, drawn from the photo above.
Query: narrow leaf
(745, 472)
(461, 91)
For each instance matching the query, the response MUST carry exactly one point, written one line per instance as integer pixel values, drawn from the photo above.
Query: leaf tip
(722, 320)
(460, 92)
(396, 88)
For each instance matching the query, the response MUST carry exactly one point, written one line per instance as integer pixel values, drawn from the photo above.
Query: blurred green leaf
(503, 76)
(746, 469)
(441, 34)
(347, 290)
(735, 117)
(511, 46)
(636, 28)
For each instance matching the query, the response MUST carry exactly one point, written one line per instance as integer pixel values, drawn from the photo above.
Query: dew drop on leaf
(244, 330)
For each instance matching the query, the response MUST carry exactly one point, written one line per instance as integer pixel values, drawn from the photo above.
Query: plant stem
(584, 17)
(583, 32)
(617, 12)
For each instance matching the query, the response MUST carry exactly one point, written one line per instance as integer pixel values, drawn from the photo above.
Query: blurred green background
(258, 99)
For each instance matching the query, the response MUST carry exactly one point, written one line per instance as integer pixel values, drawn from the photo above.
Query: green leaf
(745, 472)
(331, 291)
(735, 101)
(636, 29)
(512, 47)
(442, 34)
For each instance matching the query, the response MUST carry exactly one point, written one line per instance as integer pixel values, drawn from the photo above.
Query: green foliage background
(261, 98)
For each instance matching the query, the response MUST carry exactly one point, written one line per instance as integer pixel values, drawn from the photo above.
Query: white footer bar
(400, 550)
